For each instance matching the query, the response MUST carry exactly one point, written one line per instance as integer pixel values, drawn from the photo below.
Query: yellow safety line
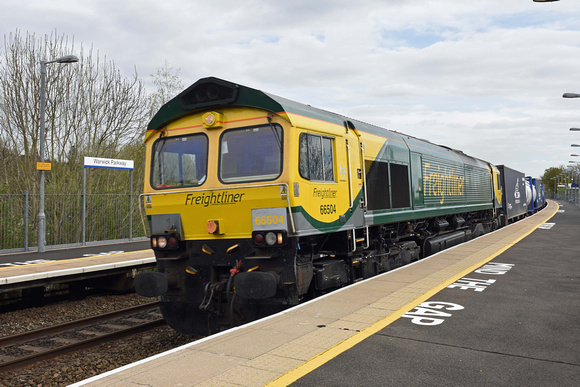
(345, 345)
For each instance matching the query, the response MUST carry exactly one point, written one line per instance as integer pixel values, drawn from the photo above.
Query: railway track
(24, 349)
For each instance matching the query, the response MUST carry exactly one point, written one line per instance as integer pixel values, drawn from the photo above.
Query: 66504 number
(268, 220)
(327, 209)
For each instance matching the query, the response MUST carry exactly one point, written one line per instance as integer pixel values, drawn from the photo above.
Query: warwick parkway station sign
(98, 162)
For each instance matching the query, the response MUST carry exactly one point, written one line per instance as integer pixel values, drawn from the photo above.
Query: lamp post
(575, 179)
(41, 215)
(573, 95)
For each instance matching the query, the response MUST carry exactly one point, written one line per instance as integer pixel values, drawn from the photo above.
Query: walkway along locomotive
(256, 203)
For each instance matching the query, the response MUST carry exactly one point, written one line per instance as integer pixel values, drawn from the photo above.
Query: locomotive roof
(213, 92)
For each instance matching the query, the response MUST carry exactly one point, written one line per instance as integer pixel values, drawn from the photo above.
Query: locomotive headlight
(165, 242)
(212, 120)
(162, 242)
(271, 239)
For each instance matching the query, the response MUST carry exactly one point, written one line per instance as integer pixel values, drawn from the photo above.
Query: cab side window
(316, 161)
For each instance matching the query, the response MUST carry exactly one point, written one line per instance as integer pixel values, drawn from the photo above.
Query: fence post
(26, 220)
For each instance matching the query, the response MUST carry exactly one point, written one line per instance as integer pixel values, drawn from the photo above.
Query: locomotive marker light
(42, 165)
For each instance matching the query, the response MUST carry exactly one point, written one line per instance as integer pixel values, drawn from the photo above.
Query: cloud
(485, 77)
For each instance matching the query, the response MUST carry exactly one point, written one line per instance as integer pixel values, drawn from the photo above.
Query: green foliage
(91, 111)
(549, 175)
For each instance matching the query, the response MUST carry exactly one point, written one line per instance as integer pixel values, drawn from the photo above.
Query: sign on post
(98, 162)
(43, 166)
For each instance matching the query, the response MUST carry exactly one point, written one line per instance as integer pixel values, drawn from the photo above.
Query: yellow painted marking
(232, 248)
(345, 345)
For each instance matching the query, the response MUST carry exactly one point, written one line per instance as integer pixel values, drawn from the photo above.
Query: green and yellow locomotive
(256, 203)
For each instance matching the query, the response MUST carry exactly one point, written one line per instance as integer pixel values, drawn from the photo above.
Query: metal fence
(571, 195)
(108, 217)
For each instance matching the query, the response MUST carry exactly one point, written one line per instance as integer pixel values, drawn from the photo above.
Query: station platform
(26, 269)
(435, 322)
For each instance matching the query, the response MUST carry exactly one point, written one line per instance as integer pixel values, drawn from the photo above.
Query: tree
(168, 86)
(91, 110)
(6, 159)
(548, 175)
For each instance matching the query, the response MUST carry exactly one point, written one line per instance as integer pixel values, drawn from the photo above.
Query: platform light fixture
(41, 215)
(544, 1)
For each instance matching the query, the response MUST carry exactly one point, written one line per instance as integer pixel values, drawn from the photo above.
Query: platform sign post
(98, 162)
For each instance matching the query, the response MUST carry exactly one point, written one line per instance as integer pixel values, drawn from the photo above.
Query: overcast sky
(483, 76)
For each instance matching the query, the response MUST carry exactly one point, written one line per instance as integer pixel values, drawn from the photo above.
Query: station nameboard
(98, 162)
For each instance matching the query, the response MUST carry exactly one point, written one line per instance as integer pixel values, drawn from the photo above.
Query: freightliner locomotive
(256, 203)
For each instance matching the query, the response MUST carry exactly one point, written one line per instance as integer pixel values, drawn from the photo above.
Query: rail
(27, 348)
